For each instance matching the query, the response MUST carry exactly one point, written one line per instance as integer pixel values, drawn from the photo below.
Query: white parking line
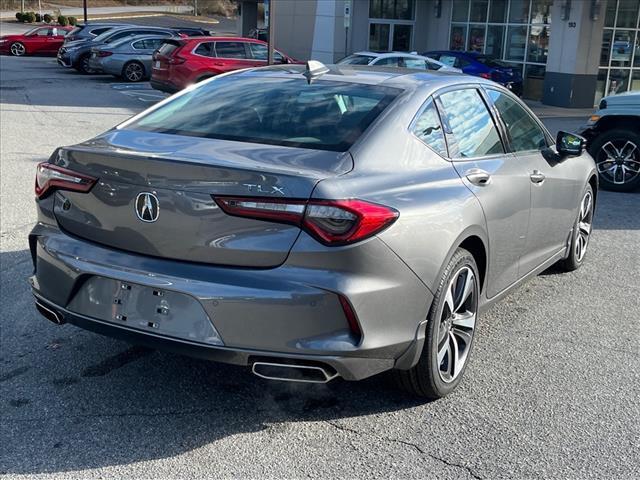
(142, 92)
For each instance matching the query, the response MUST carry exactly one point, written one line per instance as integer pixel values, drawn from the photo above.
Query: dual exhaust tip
(287, 372)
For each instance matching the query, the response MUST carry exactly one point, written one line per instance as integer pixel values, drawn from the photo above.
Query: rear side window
(230, 50)
(414, 63)
(524, 132)
(356, 60)
(205, 49)
(387, 62)
(99, 31)
(448, 60)
(325, 115)
(152, 43)
(473, 132)
(427, 128)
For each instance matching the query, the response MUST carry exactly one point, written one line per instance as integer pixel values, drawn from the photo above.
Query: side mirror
(570, 144)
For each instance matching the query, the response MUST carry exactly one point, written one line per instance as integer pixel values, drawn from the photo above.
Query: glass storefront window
(519, 11)
(622, 48)
(495, 36)
(541, 11)
(401, 38)
(627, 13)
(379, 37)
(478, 12)
(498, 11)
(610, 14)
(391, 9)
(476, 38)
(618, 81)
(516, 43)
(458, 35)
(600, 85)
(534, 81)
(538, 44)
(605, 51)
(636, 58)
(635, 80)
(460, 12)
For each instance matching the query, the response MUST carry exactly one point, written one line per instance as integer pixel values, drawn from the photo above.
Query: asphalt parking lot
(551, 390)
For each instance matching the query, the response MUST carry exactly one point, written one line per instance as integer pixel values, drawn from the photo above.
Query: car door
(232, 55)
(554, 190)
(37, 41)
(55, 39)
(500, 183)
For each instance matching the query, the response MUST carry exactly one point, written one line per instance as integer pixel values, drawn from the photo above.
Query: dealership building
(570, 52)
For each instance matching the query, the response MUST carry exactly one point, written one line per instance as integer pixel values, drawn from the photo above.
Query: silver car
(128, 58)
(397, 59)
(310, 222)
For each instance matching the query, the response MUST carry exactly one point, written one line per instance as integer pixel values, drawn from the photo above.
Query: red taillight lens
(50, 177)
(332, 222)
(104, 53)
(485, 75)
(177, 60)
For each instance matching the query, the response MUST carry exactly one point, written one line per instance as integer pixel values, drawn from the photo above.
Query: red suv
(182, 62)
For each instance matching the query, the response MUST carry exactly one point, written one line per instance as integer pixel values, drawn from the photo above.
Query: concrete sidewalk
(78, 12)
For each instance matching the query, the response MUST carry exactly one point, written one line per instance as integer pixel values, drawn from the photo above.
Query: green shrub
(62, 20)
(19, 17)
(30, 17)
(47, 18)
(72, 20)
(38, 17)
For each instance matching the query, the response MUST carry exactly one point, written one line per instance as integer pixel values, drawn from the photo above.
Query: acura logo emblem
(147, 207)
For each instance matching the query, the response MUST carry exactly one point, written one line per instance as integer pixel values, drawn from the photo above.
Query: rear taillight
(50, 177)
(104, 53)
(485, 75)
(332, 222)
(176, 60)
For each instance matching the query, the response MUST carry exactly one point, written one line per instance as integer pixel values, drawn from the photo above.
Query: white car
(397, 59)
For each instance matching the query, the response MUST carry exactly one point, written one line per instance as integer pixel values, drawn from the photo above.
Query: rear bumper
(290, 312)
(164, 86)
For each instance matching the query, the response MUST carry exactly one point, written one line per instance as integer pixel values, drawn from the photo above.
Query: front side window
(473, 132)
(43, 32)
(524, 132)
(427, 128)
(387, 62)
(357, 60)
(417, 63)
(325, 115)
(230, 50)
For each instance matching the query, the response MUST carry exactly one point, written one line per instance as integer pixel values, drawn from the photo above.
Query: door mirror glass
(570, 144)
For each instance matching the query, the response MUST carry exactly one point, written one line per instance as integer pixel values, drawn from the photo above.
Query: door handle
(478, 176)
(537, 176)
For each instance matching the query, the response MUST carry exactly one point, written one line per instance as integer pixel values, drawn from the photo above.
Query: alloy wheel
(133, 72)
(457, 324)
(619, 161)
(585, 218)
(17, 49)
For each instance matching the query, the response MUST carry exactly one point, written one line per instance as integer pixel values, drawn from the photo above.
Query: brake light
(485, 75)
(50, 177)
(332, 222)
(104, 53)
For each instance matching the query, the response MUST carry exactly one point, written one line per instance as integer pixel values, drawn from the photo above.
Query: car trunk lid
(183, 174)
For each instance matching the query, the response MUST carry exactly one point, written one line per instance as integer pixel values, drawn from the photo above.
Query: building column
(574, 53)
(248, 17)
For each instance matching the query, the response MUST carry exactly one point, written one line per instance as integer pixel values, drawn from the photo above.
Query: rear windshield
(167, 48)
(75, 30)
(491, 61)
(357, 60)
(325, 115)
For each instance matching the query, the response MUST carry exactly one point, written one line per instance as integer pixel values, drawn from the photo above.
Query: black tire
(425, 378)
(617, 138)
(133, 72)
(17, 49)
(83, 65)
(577, 253)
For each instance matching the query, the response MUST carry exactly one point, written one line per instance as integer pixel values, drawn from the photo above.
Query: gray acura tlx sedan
(311, 222)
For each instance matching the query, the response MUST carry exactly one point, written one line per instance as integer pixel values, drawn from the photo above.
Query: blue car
(480, 65)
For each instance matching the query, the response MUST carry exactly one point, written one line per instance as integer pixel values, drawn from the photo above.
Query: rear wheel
(17, 49)
(617, 156)
(133, 72)
(581, 233)
(450, 331)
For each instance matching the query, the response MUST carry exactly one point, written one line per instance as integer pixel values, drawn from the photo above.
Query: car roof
(136, 38)
(388, 54)
(403, 78)
(210, 38)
